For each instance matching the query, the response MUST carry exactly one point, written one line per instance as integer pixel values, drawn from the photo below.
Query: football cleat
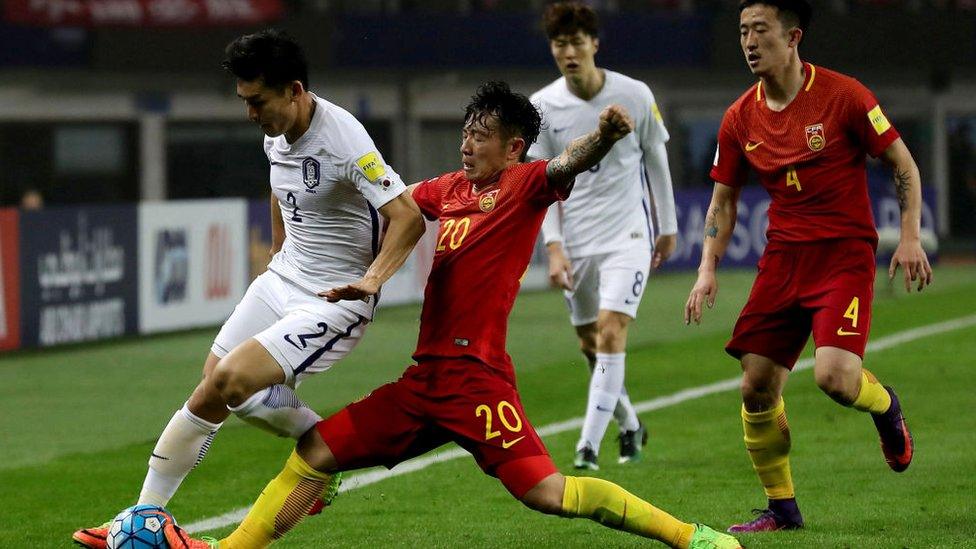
(177, 538)
(897, 444)
(331, 491)
(706, 538)
(631, 443)
(92, 538)
(586, 458)
(766, 521)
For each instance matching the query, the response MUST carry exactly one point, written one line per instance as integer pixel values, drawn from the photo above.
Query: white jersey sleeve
(653, 136)
(363, 165)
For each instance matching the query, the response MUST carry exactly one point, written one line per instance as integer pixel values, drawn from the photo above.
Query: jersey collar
(810, 75)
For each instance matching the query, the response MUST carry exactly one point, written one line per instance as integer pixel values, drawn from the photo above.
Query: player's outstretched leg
(612, 506)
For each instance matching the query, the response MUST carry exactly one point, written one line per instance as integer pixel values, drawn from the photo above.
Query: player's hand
(914, 263)
(664, 246)
(352, 292)
(704, 291)
(560, 269)
(615, 123)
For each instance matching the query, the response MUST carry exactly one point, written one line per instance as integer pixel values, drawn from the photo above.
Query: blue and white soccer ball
(139, 527)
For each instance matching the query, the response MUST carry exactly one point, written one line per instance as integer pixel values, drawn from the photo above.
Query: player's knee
(610, 333)
(757, 395)
(313, 449)
(545, 497)
(230, 381)
(835, 385)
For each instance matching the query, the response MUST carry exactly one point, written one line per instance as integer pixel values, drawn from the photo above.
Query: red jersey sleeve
(537, 187)
(427, 195)
(730, 166)
(869, 123)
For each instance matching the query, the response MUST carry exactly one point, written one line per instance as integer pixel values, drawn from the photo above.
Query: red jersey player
(462, 388)
(805, 131)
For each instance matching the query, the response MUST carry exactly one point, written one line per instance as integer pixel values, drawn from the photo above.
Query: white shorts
(303, 332)
(612, 281)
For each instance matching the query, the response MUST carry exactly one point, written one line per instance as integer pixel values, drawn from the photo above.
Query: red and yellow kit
(463, 386)
(810, 157)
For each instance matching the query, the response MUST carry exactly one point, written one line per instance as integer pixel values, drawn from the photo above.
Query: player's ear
(297, 89)
(516, 146)
(795, 36)
(596, 44)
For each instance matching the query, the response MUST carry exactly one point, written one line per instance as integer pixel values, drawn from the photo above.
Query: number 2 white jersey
(609, 208)
(330, 184)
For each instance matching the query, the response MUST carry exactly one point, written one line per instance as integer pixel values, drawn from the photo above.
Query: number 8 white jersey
(330, 184)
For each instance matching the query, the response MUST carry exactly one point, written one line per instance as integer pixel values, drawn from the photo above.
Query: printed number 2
(456, 229)
(503, 406)
(294, 203)
(793, 180)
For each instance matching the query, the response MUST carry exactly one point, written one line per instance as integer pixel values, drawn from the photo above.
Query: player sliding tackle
(462, 388)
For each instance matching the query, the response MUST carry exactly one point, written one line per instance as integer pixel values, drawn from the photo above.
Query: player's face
(275, 110)
(574, 53)
(485, 151)
(766, 44)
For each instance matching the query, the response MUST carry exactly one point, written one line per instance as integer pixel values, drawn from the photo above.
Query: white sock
(606, 384)
(277, 410)
(625, 413)
(182, 446)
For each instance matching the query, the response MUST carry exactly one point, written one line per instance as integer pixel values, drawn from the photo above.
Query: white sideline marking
(376, 475)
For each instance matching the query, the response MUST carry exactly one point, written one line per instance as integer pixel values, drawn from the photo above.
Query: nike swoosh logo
(750, 146)
(557, 130)
(603, 409)
(510, 443)
(155, 455)
(841, 332)
(629, 302)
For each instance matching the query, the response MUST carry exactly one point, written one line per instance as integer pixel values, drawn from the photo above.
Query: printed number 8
(638, 283)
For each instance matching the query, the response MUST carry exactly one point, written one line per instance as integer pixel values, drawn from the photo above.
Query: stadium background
(155, 203)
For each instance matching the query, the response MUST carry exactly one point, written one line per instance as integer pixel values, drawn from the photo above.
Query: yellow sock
(872, 397)
(767, 437)
(612, 506)
(284, 502)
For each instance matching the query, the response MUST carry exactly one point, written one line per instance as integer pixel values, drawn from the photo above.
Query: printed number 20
(503, 406)
(457, 229)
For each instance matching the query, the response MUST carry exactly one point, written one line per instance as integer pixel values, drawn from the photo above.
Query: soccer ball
(139, 527)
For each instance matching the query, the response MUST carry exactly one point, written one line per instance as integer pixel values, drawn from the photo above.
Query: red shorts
(436, 402)
(824, 287)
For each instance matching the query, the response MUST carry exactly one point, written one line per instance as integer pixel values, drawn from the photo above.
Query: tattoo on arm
(711, 223)
(902, 182)
(582, 154)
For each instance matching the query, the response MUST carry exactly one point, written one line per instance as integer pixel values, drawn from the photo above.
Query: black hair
(561, 18)
(517, 116)
(269, 54)
(792, 13)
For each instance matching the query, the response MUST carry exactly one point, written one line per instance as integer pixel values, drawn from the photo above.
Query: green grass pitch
(77, 425)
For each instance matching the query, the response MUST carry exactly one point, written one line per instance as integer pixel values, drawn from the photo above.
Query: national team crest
(487, 201)
(815, 137)
(311, 173)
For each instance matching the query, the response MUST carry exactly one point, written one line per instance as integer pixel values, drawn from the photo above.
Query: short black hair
(517, 116)
(561, 18)
(269, 54)
(792, 13)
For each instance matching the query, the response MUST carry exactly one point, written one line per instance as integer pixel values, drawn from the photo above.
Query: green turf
(77, 425)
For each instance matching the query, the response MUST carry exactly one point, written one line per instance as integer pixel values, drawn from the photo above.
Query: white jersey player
(600, 239)
(330, 185)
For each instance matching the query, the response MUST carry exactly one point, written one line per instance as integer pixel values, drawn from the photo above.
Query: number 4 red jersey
(810, 157)
(482, 251)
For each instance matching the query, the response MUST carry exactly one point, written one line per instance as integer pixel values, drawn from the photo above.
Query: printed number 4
(793, 180)
(504, 406)
(294, 203)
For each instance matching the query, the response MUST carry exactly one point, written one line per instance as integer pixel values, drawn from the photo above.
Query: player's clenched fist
(615, 123)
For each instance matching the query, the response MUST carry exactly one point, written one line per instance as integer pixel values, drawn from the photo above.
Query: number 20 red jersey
(810, 157)
(482, 251)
